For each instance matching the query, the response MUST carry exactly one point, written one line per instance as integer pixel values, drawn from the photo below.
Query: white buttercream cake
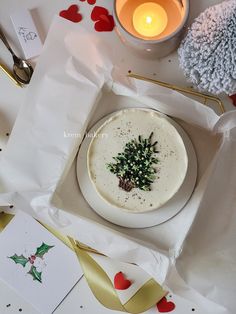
(137, 160)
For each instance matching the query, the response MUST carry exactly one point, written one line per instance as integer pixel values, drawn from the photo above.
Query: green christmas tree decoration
(35, 274)
(19, 259)
(134, 166)
(43, 249)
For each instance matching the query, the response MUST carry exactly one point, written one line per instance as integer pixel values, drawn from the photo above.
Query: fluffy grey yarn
(208, 53)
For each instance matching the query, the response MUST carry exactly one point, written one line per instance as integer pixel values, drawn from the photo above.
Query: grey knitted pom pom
(208, 53)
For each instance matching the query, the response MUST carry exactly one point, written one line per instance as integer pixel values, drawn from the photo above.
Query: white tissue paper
(75, 84)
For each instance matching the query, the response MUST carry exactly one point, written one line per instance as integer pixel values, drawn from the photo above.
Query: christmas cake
(137, 160)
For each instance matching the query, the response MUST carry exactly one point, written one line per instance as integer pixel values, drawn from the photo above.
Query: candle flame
(149, 20)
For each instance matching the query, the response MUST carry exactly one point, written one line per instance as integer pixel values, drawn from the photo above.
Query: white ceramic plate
(136, 220)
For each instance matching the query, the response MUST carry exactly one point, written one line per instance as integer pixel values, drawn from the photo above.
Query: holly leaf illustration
(43, 249)
(35, 274)
(19, 259)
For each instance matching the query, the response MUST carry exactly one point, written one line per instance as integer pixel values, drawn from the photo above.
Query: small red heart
(72, 14)
(104, 21)
(97, 12)
(233, 97)
(120, 282)
(164, 306)
(91, 2)
(104, 26)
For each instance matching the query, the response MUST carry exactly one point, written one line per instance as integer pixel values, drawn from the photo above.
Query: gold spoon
(22, 69)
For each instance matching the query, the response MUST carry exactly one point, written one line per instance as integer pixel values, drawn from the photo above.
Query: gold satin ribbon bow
(99, 282)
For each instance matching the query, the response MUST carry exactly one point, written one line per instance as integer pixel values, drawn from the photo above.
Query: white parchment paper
(75, 74)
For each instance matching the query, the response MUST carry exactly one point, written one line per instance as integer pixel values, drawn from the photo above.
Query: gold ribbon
(100, 284)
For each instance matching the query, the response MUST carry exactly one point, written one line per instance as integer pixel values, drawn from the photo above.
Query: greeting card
(36, 264)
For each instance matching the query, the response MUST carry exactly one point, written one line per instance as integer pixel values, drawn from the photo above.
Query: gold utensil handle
(205, 97)
(10, 75)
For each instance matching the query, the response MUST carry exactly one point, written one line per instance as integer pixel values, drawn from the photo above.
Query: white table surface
(80, 299)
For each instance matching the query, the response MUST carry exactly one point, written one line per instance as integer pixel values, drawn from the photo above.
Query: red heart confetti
(104, 21)
(97, 12)
(72, 14)
(91, 2)
(120, 282)
(165, 306)
(103, 26)
(233, 97)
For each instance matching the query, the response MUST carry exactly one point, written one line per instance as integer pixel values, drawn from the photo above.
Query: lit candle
(151, 27)
(150, 19)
